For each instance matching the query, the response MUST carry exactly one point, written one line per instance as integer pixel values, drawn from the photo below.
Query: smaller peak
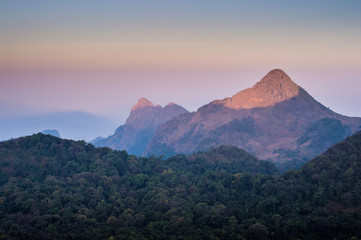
(51, 132)
(170, 104)
(142, 102)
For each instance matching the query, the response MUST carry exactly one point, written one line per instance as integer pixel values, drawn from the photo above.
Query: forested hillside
(60, 189)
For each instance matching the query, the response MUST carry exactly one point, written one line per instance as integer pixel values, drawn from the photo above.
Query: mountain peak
(273, 88)
(170, 104)
(277, 72)
(142, 102)
(277, 81)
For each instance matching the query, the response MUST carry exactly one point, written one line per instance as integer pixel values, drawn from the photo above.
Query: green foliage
(59, 189)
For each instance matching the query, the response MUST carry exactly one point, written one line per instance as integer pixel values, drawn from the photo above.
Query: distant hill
(275, 119)
(75, 125)
(51, 188)
(54, 133)
(140, 126)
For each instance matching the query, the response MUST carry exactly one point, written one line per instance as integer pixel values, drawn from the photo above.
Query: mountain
(54, 133)
(140, 126)
(276, 120)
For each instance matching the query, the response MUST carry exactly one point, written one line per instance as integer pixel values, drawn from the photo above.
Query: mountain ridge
(275, 119)
(276, 109)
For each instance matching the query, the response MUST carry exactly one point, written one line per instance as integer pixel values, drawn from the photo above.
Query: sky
(98, 58)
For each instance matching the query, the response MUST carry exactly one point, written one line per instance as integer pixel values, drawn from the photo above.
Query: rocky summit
(139, 128)
(274, 88)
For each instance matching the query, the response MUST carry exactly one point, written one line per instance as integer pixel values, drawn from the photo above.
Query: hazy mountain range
(275, 119)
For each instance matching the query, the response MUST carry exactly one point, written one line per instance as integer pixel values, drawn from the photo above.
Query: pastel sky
(99, 57)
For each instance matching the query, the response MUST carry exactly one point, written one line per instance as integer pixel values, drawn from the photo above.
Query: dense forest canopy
(60, 189)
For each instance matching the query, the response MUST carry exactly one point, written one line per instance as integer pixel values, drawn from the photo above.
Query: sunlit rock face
(274, 88)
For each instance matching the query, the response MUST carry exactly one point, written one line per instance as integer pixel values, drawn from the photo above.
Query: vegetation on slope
(59, 189)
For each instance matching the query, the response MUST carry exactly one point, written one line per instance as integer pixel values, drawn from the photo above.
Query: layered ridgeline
(140, 126)
(276, 120)
(52, 188)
